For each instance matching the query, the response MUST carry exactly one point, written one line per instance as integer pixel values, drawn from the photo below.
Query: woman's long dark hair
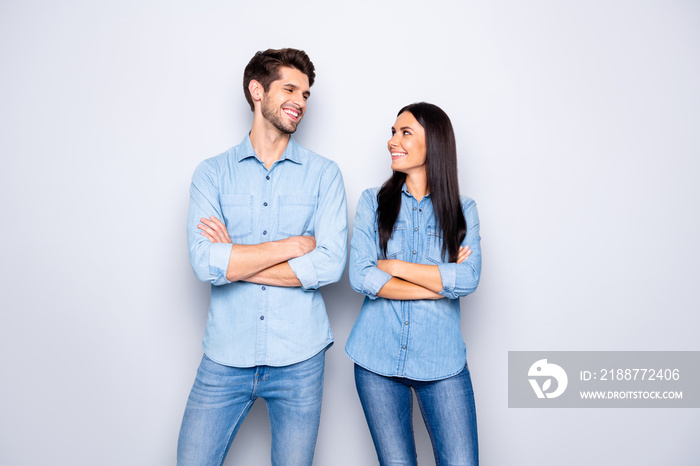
(443, 184)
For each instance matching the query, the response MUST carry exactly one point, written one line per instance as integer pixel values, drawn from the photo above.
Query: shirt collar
(408, 193)
(291, 152)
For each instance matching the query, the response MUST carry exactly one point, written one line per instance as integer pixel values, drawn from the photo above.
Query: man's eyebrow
(294, 86)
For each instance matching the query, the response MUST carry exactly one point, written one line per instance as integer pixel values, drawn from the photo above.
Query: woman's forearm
(427, 276)
(397, 288)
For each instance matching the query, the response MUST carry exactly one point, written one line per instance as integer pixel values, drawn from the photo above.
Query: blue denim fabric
(418, 339)
(222, 396)
(448, 411)
(301, 194)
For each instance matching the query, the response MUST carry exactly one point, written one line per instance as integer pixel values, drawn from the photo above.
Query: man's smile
(292, 113)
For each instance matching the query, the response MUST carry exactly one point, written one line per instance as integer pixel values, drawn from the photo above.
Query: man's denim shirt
(419, 339)
(301, 194)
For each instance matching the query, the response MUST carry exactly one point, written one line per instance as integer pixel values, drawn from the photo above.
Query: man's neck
(268, 142)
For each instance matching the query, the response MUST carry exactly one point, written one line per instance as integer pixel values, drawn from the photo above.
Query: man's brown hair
(264, 68)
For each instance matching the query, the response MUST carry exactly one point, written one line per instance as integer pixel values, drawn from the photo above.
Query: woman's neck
(417, 184)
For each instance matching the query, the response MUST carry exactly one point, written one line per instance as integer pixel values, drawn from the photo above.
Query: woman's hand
(214, 230)
(462, 254)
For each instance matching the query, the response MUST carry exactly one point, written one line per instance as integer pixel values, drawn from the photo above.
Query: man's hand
(214, 230)
(305, 244)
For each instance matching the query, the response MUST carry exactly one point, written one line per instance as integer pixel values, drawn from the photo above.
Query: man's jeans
(448, 410)
(222, 396)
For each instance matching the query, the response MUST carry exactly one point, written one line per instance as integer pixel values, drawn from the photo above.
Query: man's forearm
(247, 260)
(277, 275)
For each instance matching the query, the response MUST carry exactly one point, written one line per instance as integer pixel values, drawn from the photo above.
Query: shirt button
(263, 288)
(267, 177)
(262, 317)
(403, 347)
(414, 252)
(264, 232)
(414, 208)
(420, 210)
(415, 229)
(406, 322)
(265, 204)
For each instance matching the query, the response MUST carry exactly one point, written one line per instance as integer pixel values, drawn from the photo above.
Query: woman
(415, 251)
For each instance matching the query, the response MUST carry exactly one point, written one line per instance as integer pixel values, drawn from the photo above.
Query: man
(267, 227)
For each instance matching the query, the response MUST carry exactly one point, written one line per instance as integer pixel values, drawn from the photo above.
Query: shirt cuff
(305, 272)
(219, 255)
(374, 281)
(448, 274)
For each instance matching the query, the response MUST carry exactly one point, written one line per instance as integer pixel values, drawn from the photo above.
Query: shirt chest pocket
(433, 245)
(296, 213)
(238, 214)
(397, 243)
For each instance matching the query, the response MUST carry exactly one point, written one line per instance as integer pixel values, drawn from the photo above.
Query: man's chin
(287, 129)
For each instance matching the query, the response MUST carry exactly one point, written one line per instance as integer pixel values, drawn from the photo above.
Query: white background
(577, 131)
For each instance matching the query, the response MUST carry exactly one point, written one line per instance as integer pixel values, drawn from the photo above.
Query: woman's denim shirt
(416, 339)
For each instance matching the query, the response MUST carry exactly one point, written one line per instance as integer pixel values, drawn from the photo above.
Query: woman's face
(407, 145)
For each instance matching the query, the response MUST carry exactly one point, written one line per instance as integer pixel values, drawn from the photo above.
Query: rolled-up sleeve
(209, 261)
(462, 279)
(365, 277)
(326, 263)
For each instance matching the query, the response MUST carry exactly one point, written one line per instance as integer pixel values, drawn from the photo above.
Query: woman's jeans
(448, 410)
(222, 396)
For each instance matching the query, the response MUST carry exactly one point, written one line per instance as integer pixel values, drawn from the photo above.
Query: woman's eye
(406, 133)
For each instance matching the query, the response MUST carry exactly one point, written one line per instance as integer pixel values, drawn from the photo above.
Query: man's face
(284, 103)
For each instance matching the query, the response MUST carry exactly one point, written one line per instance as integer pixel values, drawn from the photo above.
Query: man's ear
(256, 90)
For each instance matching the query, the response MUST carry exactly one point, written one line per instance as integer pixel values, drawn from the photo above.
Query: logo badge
(544, 371)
